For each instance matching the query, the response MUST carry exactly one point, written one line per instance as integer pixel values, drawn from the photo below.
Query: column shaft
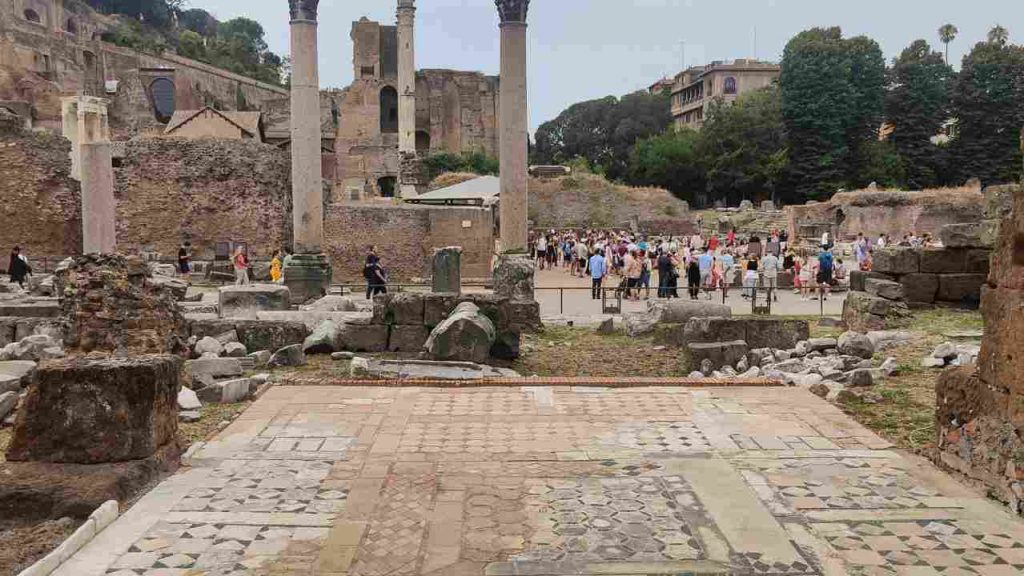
(513, 137)
(99, 209)
(307, 179)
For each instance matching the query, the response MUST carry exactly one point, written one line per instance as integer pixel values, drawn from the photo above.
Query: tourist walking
(826, 264)
(185, 261)
(18, 268)
(750, 279)
(706, 262)
(598, 270)
(770, 267)
(634, 270)
(241, 264)
(542, 251)
(275, 268)
(693, 279)
(664, 273)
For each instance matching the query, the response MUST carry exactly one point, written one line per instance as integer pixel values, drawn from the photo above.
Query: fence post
(561, 301)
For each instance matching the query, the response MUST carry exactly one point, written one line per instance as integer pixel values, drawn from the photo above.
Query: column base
(308, 276)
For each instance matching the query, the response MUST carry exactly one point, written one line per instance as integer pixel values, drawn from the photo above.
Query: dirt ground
(21, 546)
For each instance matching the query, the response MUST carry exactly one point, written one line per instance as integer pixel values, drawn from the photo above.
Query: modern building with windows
(696, 88)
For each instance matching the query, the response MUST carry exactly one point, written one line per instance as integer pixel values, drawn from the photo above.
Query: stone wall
(41, 203)
(979, 412)
(205, 191)
(406, 237)
(885, 212)
(41, 62)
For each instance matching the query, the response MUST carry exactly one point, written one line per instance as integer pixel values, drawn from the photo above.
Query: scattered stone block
(14, 374)
(332, 303)
(467, 334)
(405, 308)
(189, 416)
(856, 344)
(607, 327)
(188, 400)
(861, 379)
(338, 356)
(226, 392)
(863, 312)
(972, 235)
(289, 356)
(235, 350)
(209, 345)
(514, 277)
(324, 340)
(437, 307)
(447, 270)
(407, 338)
(363, 338)
(254, 334)
(92, 411)
(858, 279)
(920, 288)
(213, 367)
(964, 288)
(717, 354)
(897, 261)
(884, 289)
(821, 344)
(246, 301)
(8, 402)
(260, 359)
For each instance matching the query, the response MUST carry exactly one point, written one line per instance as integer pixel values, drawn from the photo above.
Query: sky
(585, 49)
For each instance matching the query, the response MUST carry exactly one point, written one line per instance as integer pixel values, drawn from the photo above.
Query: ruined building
(54, 48)
(456, 112)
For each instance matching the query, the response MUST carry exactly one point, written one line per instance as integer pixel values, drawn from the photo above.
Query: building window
(423, 141)
(387, 186)
(367, 71)
(33, 16)
(730, 85)
(161, 95)
(388, 110)
(71, 27)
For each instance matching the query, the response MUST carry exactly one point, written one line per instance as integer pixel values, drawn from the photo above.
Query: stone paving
(547, 481)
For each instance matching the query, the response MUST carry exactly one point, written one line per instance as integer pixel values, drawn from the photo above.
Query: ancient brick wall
(406, 237)
(205, 191)
(980, 413)
(40, 208)
(886, 212)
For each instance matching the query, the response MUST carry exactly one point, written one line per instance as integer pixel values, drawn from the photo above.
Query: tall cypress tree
(917, 106)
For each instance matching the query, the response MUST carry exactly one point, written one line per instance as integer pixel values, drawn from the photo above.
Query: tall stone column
(99, 209)
(407, 81)
(513, 125)
(514, 270)
(307, 273)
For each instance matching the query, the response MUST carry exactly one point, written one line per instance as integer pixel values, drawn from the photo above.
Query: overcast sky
(584, 49)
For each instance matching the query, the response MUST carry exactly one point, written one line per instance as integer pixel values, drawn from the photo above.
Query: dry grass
(906, 413)
(563, 351)
(450, 179)
(5, 441)
(587, 200)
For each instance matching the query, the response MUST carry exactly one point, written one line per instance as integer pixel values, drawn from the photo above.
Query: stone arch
(162, 99)
(387, 186)
(730, 87)
(33, 16)
(71, 27)
(388, 110)
(422, 141)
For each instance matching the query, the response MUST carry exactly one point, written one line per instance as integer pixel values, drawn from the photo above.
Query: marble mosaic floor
(553, 482)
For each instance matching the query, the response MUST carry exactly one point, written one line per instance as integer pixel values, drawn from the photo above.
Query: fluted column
(307, 273)
(407, 87)
(513, 125)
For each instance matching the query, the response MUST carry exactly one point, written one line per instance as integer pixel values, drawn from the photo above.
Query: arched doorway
(387, 185)
(161, 94)
(422, 141)
(388, 110)
(33, 16)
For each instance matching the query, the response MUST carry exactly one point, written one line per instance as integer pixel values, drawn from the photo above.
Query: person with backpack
(826, 269)
(18, 268)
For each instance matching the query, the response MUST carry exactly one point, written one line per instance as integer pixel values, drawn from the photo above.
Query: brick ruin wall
(406, 237)
(895, 213)
(980, 410)
(40, 207)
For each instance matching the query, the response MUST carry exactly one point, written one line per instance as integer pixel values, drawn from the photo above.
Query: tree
(191, 45)
(867, 88)
(917, 107)
(199, 21)
(670, 160)
(948, 33)
(602, 131)
(743, 147)
(988, 103)
(998, 35)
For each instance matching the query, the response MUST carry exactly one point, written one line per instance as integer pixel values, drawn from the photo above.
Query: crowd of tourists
(698, 263)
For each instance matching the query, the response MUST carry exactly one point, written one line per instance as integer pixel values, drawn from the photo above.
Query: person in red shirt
(713, 243)
(241, 268)
(731, 238)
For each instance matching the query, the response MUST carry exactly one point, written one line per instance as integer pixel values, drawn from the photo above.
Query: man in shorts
(826, 268)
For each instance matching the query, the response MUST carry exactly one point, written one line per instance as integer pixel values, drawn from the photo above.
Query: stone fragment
(235, 350)
(514, 276)
(188, 400)
(326, 339)
(855, 344)
(961, 288)
(342, 356)
(719, 354)
(15, 374)
(93, 411)
(405, 308)
(332, 303)
(227, 337)
(897, 261)
(971, 235)
(607, 326)
(920, 288)
(260, 358)
(33, 348)
(447, 270)
(189, 416)
(226, 392)
(209, 345)
(884, 289)
(246, 301)
(890, 367)
(289, 356)
(945, 351)
(465, 335)
(437, 307)
(858, 279)
(214, 367)
(863, 312)
(821, 344)
(933, 363)
(407, 338)
(860, 379)
(8, 402)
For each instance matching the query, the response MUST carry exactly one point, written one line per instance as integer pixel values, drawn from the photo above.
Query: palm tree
(999, 35)
(947, 34)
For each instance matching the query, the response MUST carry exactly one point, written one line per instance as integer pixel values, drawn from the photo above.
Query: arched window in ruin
(730, 85)
(161, 96)
(71, 27)
(422, 141)
(33, 16)
(388, 110)
(387, 185)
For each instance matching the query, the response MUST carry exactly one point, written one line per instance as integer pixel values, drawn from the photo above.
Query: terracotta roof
(248, 122)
